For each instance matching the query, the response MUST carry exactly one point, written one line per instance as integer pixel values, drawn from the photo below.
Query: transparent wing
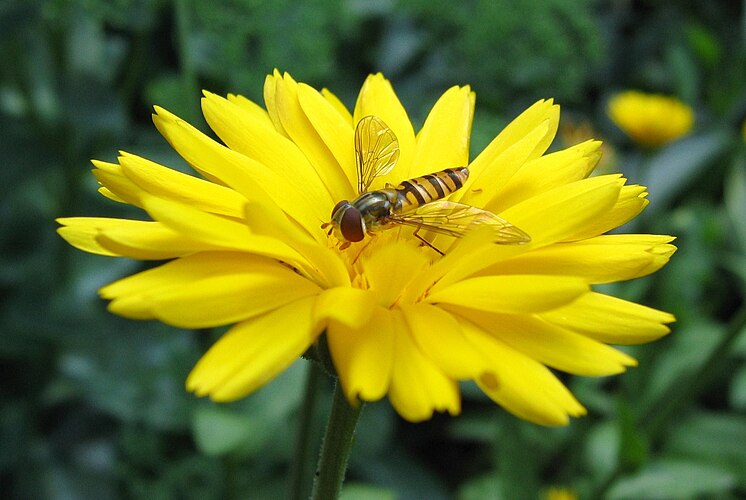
(456, 219)
(376, 151)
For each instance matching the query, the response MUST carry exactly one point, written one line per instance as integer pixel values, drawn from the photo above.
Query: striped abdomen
(431, 187)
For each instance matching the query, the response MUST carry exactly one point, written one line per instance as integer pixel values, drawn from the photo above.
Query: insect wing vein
(456, 219)
(376, 150)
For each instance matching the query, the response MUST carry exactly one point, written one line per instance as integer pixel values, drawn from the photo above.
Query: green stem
(335, 450)
(300, 473)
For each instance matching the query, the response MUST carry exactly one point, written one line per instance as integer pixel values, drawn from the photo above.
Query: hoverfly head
(347, 222)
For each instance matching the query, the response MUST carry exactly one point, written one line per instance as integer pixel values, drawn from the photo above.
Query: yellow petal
(112, 178)
(443, 141)
(251, 110)
(548, 172)
(106, 192)
(525, 138)
(511, 294)
(377, 98)
(148, 241)
(547, 218)
(390, 267)
(270, 100)
(550, 345)
(254, 352)
(477, 242)
(565, 210)
(207, 289)
(285, 172)
(191, 267)
(338, 105)
(363, 356)
(219, 231)
(611, 320)
(351, 307)
(541, 111)
(520, 384)
(221, 300)
(483, 187)
(334, 131)
(171, 184)
(81, 232)
(439, 337)
(418, 386)
(300, 129)
(268, 220)
(598, 260)
(630, 203)
(249, 177)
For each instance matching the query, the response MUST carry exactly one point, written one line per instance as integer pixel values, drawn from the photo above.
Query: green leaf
(244, 428)
(736, 263)
(674, 167)
(476, 427)
(738, 389)
(716, 438)
(516, 459)
(735, 198)
(705, 44)
(685, 72)
(479, 487)
(360, 491)
(673, 479)
(685, 350)
(602, 448)
(219, 430)
(634, 447)
(405, 474)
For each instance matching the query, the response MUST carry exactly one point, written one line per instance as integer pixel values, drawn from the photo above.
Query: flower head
(651, 120)
(404, 316)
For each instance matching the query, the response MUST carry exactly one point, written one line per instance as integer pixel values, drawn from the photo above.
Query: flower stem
(335, 450)
(300, 473)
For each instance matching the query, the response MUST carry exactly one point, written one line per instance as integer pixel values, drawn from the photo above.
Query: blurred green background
(93, 406)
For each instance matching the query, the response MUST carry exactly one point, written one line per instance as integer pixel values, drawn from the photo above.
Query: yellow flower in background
(651, 120)
(404, 318)
(743, 130)
(557, 493)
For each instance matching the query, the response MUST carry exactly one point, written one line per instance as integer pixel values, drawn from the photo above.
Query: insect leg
(423, 240)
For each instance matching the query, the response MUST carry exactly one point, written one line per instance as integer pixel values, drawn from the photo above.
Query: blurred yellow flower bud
(651, 120)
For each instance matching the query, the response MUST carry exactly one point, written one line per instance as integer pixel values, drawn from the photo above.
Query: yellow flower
(651, 120)
(556, 493)
(246, 247)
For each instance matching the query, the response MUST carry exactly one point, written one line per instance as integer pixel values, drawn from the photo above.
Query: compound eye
(338, 206)
(351, 225)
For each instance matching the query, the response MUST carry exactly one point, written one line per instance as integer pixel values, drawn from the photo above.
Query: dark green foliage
(508, 51)
(93, 406)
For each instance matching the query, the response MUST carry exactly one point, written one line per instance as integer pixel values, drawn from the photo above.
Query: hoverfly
(415, 202)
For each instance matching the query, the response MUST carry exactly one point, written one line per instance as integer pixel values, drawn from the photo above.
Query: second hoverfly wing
(456, 219)
(376, 150)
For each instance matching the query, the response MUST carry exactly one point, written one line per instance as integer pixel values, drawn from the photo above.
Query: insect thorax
(376, 206)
